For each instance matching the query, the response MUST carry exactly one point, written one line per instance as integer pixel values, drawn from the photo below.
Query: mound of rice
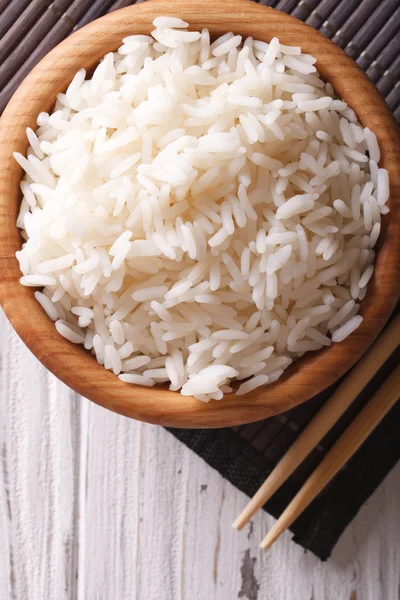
(199, 212)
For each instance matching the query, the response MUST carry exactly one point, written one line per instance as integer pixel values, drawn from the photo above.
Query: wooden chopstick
(345, 447)
(325, 418)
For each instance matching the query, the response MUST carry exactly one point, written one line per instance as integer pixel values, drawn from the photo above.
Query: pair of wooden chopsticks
(347, 444)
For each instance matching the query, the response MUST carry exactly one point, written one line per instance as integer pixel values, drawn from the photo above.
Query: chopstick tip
(238, 524)
(268, 540)
(273, 534)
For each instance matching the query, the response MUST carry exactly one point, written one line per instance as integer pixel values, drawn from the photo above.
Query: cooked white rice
(199, 212)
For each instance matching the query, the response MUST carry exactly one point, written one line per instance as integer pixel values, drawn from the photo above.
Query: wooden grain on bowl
(76, 367)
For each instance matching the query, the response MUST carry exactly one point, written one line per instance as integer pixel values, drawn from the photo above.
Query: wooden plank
(38, 416)
(108, 510)
(375, 543)
(154, 519)
(6, 555)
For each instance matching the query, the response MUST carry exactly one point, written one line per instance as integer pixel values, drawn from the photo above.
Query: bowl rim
(75, 366)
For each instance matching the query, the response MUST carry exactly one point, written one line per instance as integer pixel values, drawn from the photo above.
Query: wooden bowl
(76, 367)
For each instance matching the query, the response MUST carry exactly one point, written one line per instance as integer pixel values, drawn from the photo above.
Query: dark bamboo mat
(369, 32)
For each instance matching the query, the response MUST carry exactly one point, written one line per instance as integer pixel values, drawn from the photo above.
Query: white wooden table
(94, 506)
